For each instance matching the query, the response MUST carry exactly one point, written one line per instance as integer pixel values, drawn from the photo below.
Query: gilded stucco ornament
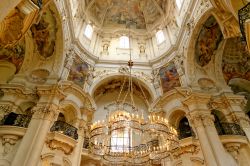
(45, 111)
(187, 149)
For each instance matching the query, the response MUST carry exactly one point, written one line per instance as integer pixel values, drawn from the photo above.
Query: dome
(137, 14)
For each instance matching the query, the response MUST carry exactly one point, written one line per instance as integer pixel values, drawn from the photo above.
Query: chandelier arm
(118, 98)
(143, 93)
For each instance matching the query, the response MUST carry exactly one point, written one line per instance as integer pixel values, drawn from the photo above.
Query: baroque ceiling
(137, 14)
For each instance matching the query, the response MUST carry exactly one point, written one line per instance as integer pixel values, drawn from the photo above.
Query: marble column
(29, 151)
(222, 157)
(196, 122)
(76, 159)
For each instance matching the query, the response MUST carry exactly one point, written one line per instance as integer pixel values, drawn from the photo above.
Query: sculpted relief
(208, 41)
(169, 77)
(44, 34)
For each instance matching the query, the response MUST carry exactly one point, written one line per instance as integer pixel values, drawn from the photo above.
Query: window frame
(160, 37)
(88, 32)
(124, 42)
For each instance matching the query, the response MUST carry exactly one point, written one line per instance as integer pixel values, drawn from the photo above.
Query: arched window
(179, 3)
(184, 128)
(160, 36)
(88, 31)
(124, 42)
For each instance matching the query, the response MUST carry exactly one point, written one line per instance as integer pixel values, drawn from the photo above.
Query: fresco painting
(169, 77)
(78, 72)
(208, 41)
(14, 54)
(122, 13)
(236, 60)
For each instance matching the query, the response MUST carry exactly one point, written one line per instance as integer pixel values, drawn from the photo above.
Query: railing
(13, 119)
(244, 14)
(185, 133)
(65, 128)
(86, 143)
(229, 129)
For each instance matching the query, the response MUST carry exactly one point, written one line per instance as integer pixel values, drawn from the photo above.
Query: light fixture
(148, 139)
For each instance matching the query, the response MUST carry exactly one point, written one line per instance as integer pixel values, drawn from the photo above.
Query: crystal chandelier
(143, 140)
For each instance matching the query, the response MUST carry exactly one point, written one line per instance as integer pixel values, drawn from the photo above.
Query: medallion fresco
(208, 41)
(236, 60)
(44, 34)
(169, 77)
(78, 72)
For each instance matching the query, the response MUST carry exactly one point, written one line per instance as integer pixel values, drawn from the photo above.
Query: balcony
(62, 137)
(13, 119)
(65, 128)
(229, 129)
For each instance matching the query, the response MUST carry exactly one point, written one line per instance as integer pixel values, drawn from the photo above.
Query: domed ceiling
(138, 14)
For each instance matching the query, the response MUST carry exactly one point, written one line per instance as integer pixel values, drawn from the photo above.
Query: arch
(70, 111)
(97, 83)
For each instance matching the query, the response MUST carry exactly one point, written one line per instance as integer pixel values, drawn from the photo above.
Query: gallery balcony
(62, 136)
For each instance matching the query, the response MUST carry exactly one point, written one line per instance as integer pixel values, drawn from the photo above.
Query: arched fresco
(78, 72)
(44, 34)
(208, 41)
(236, 60)
(169, 77)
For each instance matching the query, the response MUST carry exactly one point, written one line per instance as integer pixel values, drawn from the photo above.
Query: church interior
(124, 82)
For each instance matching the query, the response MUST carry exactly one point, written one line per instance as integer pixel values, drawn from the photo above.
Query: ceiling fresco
(236, 60)
(122, 13)
(115, 84)
(208, 41)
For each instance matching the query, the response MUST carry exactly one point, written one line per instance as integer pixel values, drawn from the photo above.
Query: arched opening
(64, 126)
(184, 129)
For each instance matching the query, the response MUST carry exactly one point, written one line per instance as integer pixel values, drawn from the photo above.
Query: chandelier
(127, 137)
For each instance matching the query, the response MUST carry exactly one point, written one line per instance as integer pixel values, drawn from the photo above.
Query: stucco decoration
(44, 34)
(135, 13)
(78, 72)
(236, 60)
(13, 54)
(39, 76)
(208, 41)
(169, 77)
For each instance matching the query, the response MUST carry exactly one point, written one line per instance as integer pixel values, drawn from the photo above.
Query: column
(76, 159)
(29, 151)
(196, 122)
(222, 157)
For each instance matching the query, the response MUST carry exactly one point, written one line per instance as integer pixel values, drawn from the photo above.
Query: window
(124, 42)
(160, 36)
(88, 31)
(179, 3)
(120, 141)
